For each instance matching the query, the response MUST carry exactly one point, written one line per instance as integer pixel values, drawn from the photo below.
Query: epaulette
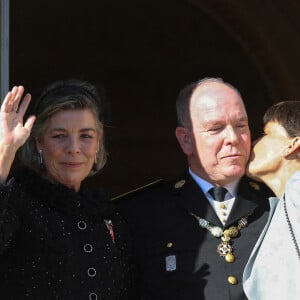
(139, 189)
(261, 187)
(179, 184)
(254, 185)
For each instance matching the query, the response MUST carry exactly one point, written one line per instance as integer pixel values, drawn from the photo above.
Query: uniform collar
(61, 198)
(206, 186)
(191, 198)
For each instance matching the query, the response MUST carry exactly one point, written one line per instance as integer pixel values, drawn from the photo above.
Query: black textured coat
(55, 243)
(177, 258)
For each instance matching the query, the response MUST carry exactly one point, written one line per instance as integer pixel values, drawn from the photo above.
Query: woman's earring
(42, 166)
(95, 163)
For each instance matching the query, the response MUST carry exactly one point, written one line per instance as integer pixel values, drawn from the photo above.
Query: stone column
(4, 52)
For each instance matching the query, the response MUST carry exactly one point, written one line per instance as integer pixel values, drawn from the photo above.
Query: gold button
(229, 257)
(224, 220)
(170, 245)
(223, 206)
(224, 213)
(232, 280)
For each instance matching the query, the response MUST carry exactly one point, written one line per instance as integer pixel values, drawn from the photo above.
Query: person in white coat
(273, 269)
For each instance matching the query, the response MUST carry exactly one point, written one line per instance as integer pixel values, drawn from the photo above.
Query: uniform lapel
(191, 198)
(245, 202)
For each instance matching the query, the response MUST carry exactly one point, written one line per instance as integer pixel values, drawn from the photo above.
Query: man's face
(219, 135)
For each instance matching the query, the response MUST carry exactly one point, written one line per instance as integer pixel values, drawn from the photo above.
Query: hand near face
(13, 131)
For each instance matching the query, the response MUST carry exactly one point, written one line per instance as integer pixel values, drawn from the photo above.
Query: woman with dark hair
(273, 269)
(58, 238)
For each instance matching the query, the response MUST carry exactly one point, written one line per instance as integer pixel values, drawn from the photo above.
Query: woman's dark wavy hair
(287, 114)
(60, 96)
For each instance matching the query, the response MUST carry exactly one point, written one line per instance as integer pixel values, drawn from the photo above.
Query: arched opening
(143, 53)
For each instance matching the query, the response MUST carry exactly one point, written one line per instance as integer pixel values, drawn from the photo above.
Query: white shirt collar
(222, 210)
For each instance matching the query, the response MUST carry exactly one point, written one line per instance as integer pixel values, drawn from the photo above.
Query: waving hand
(13, 131)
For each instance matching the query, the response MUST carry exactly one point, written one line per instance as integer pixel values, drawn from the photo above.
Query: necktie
(218, 192)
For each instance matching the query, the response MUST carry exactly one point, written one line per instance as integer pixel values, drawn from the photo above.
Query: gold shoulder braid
(224, 248)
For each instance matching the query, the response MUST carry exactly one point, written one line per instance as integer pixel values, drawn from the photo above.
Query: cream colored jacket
(273, 269)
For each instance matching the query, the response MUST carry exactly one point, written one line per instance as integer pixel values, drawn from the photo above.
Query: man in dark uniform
(192, 239)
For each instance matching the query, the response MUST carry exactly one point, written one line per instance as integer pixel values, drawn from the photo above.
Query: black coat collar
(60, 197)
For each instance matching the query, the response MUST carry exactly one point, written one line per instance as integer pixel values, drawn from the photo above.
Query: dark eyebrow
(88, 129)
(81, 130)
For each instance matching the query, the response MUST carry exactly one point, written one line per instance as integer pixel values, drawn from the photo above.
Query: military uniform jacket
(177, 258)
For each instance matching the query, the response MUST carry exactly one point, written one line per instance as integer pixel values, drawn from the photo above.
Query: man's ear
(185, 140)
(293, 148)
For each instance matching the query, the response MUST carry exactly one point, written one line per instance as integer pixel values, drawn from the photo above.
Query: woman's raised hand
(13, 131)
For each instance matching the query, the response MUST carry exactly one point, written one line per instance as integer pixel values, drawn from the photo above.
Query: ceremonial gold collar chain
(224, 248)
